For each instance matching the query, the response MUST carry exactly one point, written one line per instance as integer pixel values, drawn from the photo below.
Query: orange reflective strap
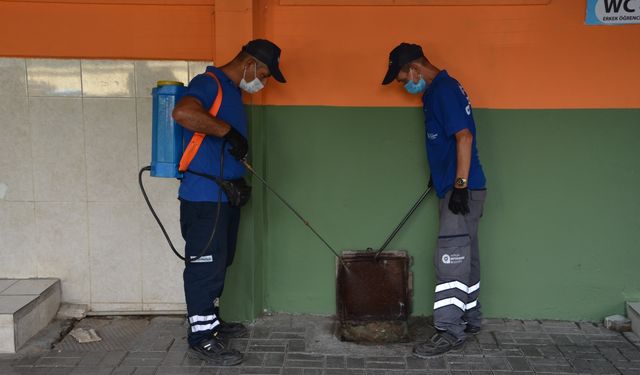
(194, 145)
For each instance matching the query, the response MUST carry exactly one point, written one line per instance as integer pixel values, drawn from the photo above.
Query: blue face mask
(415, 88)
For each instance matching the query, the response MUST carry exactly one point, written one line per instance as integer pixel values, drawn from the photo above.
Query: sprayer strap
(197, 138)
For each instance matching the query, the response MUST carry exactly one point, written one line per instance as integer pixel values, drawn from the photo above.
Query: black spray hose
(164, 231)
(153, 212)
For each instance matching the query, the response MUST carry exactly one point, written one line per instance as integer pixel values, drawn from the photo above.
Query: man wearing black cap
(460, 184)
(215, 122)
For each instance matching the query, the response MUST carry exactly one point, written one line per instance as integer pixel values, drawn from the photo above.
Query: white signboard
(613, 12)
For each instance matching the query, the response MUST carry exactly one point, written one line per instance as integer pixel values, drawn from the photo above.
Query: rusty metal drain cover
(373, 296)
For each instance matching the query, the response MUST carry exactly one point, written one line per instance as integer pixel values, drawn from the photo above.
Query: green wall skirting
(559, 238)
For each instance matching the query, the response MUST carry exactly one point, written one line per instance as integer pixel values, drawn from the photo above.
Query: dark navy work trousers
(204, 277)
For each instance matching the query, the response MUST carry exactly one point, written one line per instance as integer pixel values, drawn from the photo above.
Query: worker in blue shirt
(215, 122)
(459, 181)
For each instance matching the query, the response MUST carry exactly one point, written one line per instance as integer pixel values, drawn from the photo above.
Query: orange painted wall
(506, 56)
(33, 29)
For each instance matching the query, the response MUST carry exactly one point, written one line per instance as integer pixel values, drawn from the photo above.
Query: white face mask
(253, 86)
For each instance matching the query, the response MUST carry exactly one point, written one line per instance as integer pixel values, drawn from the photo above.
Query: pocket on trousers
(477, 198)
(478, 195)
(453, 257)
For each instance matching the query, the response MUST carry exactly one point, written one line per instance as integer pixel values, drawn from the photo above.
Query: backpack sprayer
(167, 147)
(166, 151)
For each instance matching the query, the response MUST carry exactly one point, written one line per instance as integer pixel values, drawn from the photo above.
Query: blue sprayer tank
(166, 134)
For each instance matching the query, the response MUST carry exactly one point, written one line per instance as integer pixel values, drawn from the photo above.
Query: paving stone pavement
(306, 345)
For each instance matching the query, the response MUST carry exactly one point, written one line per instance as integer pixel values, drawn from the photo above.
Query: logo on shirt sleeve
(468, 107)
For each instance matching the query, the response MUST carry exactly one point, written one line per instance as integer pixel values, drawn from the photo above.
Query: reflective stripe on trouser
(457, 264)
(204, 279)
(200, 323)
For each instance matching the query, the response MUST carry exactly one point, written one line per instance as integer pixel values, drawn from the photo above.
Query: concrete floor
(302, 344)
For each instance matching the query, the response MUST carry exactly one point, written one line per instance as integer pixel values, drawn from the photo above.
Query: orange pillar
(233, 28)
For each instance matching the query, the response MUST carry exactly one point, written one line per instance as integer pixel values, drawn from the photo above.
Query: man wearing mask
(215, 122)
(460, 185)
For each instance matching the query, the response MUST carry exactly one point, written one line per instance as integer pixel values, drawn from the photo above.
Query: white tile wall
(143, 123)
(17, 239)
(74, 135)
(115, 256)
(13, 75)
(108, 78)
(58, 149)
(62, 247)
(54, 77)
(15, 148)
(148, 73)
(112, 155)
(161, 269)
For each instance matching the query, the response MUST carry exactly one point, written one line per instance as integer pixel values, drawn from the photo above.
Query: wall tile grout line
(140, 240)
(33, 165)
(86, 181)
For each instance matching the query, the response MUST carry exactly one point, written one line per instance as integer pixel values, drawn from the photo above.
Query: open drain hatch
(373, 296)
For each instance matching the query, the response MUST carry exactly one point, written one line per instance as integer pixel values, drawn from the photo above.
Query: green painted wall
(559, 238)
(243, 297)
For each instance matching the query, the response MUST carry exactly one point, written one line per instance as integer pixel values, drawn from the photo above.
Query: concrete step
(633, 313)
(26, 307)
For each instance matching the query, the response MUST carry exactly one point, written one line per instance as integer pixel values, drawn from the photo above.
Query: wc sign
(613, 12)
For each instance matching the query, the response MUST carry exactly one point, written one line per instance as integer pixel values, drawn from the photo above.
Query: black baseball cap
(268, 53)
(403, 54)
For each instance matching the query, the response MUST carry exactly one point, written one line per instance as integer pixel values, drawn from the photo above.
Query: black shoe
(439, 343)
(230, 330)
(474, 330)
(213, 351)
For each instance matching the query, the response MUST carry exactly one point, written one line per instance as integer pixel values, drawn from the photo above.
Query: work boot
(231, 330)
(228, 330)
(473, 330)
(439, 343)
(213, 351)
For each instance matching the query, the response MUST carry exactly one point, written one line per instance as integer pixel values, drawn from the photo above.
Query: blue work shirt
(447, 110)
(204, 88)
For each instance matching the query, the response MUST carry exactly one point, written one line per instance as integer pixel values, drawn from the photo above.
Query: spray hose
(164, 231)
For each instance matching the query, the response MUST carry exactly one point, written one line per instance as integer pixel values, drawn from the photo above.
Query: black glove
(459, 201)
(239, 144)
